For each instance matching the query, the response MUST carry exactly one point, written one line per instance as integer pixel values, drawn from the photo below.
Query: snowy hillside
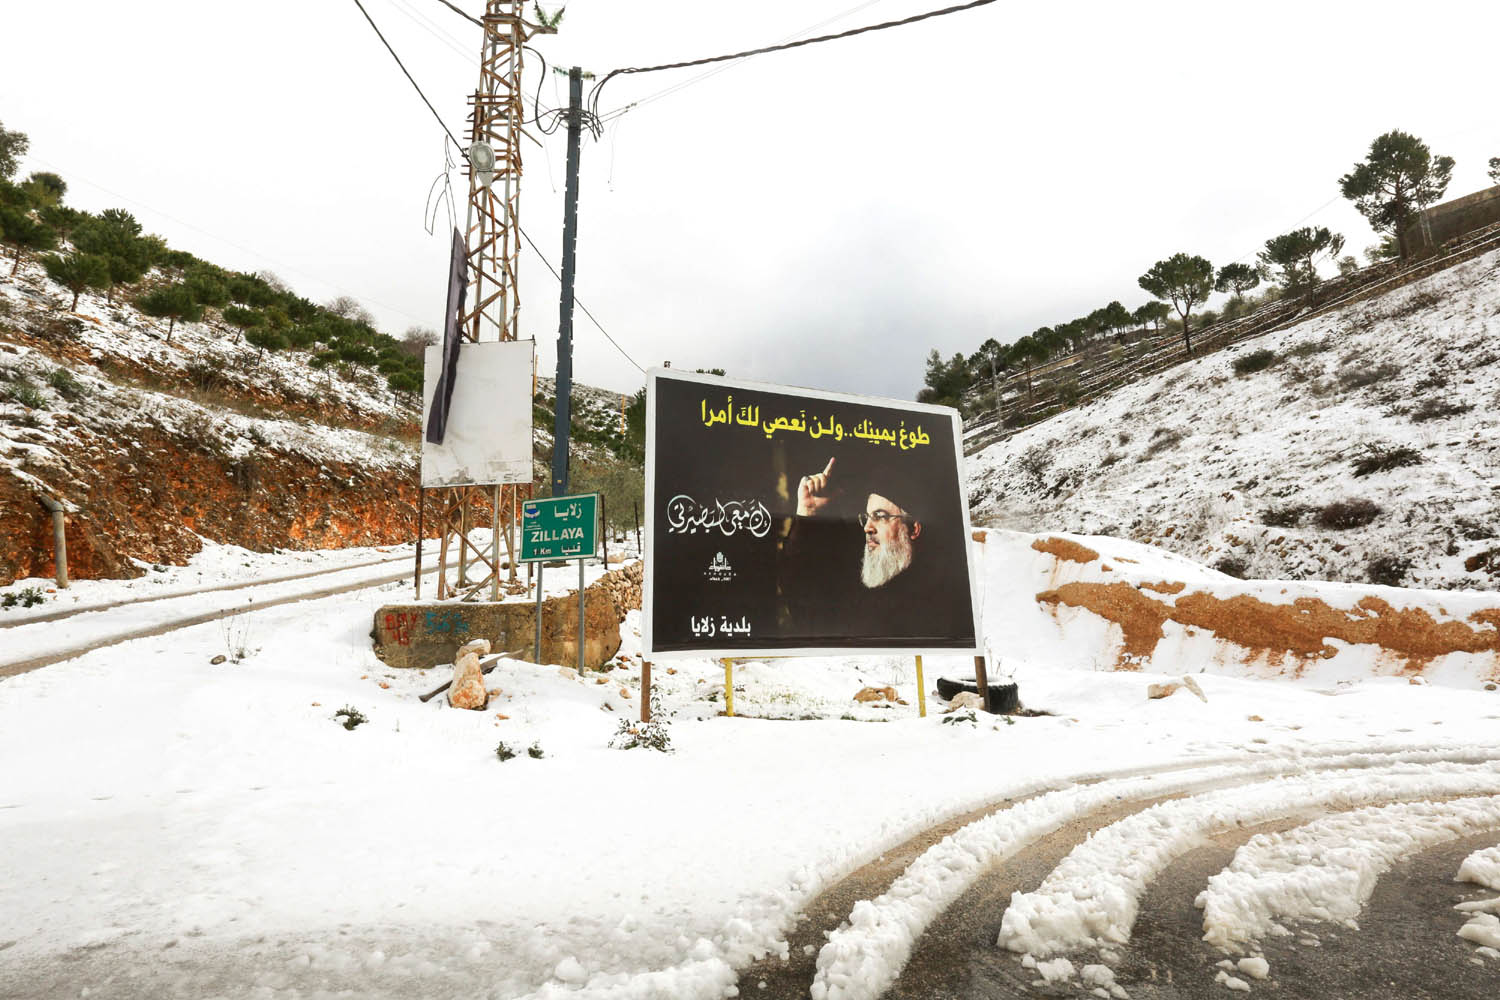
(1363, 446)
(155, 443)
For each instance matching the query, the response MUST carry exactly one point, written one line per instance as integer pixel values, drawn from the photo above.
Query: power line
(462, 13)
(465, 155)
(580, 305)
(668, 91)
(410, 80)
(599, 87)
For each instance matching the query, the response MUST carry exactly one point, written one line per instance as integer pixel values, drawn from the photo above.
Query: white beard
(883, 562)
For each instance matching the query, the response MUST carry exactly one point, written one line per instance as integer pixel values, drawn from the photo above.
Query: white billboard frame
(488, 438)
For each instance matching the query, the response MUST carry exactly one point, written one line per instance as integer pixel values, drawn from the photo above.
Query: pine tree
(1399, 177)
(115, 235)
(1182, 280)
(13, 146)
(76, 272)
(173, 303)
(45, 188)
(1237, 279)
(1295, 254)
(21, 231)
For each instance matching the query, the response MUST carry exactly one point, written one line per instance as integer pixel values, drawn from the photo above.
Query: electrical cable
(462, 13)
(593, 101)
(427, 25)
(668, 91)
(409, 77)
(588, 117)
(529, 242)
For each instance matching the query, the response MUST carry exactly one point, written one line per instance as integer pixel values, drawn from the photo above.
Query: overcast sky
(821, 217)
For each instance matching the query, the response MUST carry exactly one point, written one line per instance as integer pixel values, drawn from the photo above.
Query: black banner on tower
(787, 521)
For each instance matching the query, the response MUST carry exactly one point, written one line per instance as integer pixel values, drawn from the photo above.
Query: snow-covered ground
(1193, 459)
(174, 827)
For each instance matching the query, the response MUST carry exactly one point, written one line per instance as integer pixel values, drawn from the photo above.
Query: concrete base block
(429, 633)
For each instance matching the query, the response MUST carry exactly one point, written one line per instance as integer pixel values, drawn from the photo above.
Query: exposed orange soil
(1165, 586)
(1063, 548)
(1300, 629)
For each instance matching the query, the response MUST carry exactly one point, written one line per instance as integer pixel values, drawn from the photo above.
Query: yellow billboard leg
(921, 691)
(728, 686)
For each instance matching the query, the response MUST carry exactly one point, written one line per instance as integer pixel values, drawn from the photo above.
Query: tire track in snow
(863, 958)
(1092, 898)
(1326, 870)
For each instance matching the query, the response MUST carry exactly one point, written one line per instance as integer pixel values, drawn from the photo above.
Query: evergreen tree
(1182, 280)
(1399, 177)
(946, 381)
(45, 188)
(1154, 313)
(62, 219)
(20, 231)
(1495, 169)
(207, 286)
(76, 272)
(405, 382)
(244, 319)
(1116, 317)
(172, 303)
(15, 196)
(13, 146)
(247, 289)
(991, 354)
(1237, 279)
(265, 338)
(1295, 255)
(115, 235)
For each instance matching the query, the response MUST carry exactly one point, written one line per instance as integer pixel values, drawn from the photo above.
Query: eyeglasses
(880, 517)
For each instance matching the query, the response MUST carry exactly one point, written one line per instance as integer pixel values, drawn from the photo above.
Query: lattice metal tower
(493, 304)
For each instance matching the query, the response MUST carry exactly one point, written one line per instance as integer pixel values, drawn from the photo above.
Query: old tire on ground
(1005, 698)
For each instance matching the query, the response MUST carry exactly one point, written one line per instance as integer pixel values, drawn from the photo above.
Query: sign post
(555, 528)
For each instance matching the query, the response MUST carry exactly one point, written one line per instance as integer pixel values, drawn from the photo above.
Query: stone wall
(428, 633)
(1452, 219)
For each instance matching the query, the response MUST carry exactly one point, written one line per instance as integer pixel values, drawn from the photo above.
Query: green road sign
(560, 528)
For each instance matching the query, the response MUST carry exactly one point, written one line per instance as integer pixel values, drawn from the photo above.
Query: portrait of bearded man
(894, 582)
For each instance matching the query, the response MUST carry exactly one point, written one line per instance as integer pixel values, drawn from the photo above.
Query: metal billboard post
(537, 656)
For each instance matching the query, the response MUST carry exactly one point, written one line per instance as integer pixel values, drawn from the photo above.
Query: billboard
(786, 521)
(487, 439)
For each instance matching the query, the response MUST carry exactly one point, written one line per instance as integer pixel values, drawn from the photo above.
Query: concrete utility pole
(562, 413)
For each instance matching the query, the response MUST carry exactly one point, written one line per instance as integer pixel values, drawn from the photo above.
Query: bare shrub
(1164, 439)
(1035, 462)
(1414, 303)
(1473, 530)
(207, 376)
(1344, 514)
(1379, 458)
(1307, 348)
(1435, 408)
(1388, 570)
(1234, 566)
(1255, 361)
(1288, 516)
(1357, 375)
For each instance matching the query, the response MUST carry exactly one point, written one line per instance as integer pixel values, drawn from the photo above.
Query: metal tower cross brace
(492, 235)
